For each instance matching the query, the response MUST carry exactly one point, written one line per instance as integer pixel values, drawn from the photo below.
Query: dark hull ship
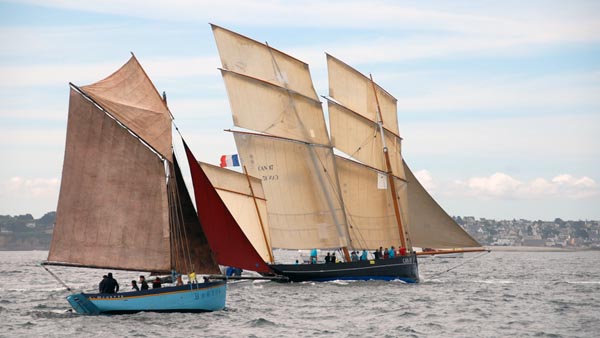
(338, 186)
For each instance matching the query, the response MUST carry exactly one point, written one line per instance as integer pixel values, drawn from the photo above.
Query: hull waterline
(403, 268)
(201, 297)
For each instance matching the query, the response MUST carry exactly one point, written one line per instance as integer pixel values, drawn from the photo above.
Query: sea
(496, 294)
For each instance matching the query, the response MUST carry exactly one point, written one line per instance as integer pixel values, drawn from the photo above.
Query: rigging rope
(56, 277)
(463, 263)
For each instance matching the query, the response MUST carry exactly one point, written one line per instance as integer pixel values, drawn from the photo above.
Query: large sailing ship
(123, 203)
(362, 196)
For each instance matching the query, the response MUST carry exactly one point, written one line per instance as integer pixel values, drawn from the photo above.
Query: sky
(498, 101)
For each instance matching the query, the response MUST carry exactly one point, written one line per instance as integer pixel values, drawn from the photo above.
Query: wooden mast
(389, 169)
(262, 227)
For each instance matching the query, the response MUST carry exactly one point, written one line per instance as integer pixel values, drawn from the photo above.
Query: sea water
(500, 294)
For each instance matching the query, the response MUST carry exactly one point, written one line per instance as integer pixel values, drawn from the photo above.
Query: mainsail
(122, 202)
(272, 93)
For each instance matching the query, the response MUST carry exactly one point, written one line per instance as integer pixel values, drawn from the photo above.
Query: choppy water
(502, 294)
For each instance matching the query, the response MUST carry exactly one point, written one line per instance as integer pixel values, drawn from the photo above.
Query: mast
(389, 169)
(262, 226)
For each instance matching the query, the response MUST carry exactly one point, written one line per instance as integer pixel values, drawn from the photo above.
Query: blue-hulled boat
(123, 203)
(195, 297)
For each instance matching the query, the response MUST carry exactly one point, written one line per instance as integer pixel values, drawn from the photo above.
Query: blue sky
(498, 101)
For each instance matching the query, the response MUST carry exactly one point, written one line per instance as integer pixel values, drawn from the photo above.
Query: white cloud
(20, 195)
(426, 180)
(503, 186)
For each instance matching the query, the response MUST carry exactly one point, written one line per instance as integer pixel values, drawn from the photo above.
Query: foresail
(248, 206)
(430, 225)
(369, 208)
(360, 138)
(254, 59)
(112, 210)
(131, 98)
(299, 181)
(268, 108)
(355, 91)
(229, 244)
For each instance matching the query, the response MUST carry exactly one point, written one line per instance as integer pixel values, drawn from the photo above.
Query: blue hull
(187, 298)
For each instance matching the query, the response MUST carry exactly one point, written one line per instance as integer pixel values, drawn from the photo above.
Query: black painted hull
(403, 268)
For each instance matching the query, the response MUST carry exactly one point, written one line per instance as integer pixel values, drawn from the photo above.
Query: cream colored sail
(129, 96)
(101, 220)
(254, 59)
(268, 108)
(360, 138)
(368, 204)
(300, 216)
(430, 225)
(242, 202)
(355, 91)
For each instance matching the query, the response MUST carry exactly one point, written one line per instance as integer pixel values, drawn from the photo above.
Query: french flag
(230, 161)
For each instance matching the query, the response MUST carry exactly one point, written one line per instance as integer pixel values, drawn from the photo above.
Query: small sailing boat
(123, 203)
(362, 196)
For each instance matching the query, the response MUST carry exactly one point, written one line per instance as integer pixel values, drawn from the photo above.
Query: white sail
(430, 225)
(248, 206)
(361, 138)
(254, 59)
(368, 203)
(300, 216)
(271, 109)
(355, 91)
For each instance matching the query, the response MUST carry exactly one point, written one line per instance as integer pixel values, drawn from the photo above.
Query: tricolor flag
(230, 161)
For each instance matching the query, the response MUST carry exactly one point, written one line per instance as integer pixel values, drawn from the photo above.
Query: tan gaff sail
(430, 225)
(235, 192)
(299, 216)
(100, 220)
(137, 105)
(369, 208)
(355, 91)
(275, 110)
(360, 138)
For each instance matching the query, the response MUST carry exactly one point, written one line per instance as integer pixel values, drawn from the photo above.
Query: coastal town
(24, 232)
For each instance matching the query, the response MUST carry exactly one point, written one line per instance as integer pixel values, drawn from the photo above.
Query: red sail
(227, 241)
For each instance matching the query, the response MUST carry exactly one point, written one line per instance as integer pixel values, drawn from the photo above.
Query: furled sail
(228, 242)
(300, 216)
(101, 220)
(247, 205)
(130, 97)
(430, 225)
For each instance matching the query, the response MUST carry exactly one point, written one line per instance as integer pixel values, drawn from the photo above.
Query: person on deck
(392, 253)
(313, 256)
(364, 255)
(111, 285)
(354, 256)
(179, 281)
(134, 286)
(156, 283)
(102, 285)
(333, 259)
(328, 258)
(386, 253)
(143, 283)
(376, 254)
